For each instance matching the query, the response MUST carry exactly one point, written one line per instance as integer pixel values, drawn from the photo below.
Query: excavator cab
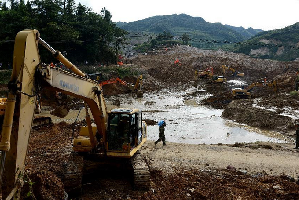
(126, 132)
(18, 110)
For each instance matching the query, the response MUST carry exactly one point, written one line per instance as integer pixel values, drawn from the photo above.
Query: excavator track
(136, 166)
(141, 173)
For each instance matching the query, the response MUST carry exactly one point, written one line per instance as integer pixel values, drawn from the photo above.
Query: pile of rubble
(50, 146)
(160, 71)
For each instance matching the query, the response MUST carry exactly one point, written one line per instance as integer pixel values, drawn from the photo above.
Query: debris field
(185, 175)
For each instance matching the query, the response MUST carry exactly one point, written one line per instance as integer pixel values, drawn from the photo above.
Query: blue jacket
(161, 123)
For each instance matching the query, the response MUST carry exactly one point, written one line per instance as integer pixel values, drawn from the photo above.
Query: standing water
(189, 122)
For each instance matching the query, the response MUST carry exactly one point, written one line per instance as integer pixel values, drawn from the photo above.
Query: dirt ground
(185, 171)
(178, 171)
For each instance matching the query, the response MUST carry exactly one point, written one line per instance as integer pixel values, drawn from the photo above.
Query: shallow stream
(192, 123)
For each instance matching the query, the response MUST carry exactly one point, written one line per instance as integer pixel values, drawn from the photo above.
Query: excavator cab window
(123, 129)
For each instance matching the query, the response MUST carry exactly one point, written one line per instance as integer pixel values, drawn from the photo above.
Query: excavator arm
(21, 102)
(80, 87)
(234, 72)
(19, 110)
(28, 78)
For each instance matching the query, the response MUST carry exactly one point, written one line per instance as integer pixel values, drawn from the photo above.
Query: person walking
(161, 125)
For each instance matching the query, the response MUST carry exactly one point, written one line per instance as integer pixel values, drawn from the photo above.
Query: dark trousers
(161, 136)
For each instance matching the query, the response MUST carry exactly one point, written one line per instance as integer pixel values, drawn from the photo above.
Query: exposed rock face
(260, 52)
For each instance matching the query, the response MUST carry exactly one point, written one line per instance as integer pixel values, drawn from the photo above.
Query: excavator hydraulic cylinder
(7, 123)
(61, 58)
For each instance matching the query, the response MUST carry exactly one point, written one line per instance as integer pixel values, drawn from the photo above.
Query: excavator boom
(20, 109)
(28, 78)
(21, 102)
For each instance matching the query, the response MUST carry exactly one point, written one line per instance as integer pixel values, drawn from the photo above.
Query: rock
(231, 168)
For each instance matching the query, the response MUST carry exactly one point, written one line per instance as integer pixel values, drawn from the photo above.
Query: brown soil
(178, 171)
(160, 72)
(182, 171)
(242, 111)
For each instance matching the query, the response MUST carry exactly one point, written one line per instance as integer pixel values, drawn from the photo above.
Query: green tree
(153, 43)
(75, 30)
(3, 7)
(13, 4)
(185, 39)
(164, 36)
(69, 7)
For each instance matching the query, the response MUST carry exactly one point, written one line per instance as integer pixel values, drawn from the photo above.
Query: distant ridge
(279, 44)
(196, 28)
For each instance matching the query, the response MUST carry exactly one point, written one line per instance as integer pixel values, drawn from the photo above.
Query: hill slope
(280, 44)
(196, 27)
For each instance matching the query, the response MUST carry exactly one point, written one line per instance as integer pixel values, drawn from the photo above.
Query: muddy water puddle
(189, 122)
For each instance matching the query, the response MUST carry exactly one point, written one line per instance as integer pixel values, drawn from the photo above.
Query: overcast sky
(258, 14)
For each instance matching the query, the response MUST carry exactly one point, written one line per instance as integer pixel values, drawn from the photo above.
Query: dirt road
(186, 171)
(273, 159)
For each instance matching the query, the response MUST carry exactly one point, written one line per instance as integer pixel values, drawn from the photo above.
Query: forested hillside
(73, 29)
(200, 32)
(88, 37)
(246, 33)
(280, 44)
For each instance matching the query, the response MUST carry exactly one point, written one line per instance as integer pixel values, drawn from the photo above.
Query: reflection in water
(192, 123)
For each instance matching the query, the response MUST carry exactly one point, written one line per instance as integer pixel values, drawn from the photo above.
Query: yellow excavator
(117, 134)
(208, 73)
(246, 92)
(234, 72)
(203, 74)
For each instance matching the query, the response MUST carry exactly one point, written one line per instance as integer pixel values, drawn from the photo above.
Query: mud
(43, 185)
(161, 72)
(188, 171)
(190, 122)
(242, 111)
(49, 148)
(180, 171)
